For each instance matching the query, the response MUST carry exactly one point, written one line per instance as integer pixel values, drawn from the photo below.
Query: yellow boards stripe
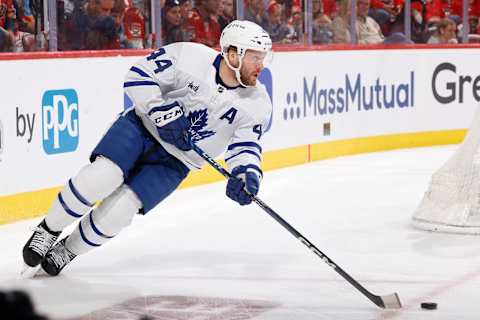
(36, 203)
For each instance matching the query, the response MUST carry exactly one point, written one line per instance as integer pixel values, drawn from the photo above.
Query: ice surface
(198, 255)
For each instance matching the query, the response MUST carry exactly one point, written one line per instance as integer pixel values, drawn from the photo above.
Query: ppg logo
(60, 121)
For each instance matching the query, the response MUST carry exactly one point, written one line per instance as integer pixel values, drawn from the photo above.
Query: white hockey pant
(93, 183)
(103, 223)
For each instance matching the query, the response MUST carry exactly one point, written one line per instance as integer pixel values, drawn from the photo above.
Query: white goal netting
(452, 201)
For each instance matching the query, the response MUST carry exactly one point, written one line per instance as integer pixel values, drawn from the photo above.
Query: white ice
(200, 245)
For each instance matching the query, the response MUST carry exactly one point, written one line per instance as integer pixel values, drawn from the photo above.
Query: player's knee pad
(116, 211)
(94, 182)
(98, 179)
(105, 222)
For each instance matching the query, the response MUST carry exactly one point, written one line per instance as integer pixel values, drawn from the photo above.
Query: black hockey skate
(38, 245)
(57, 258)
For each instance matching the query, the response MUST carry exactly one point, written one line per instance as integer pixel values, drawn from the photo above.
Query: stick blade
(391, 301)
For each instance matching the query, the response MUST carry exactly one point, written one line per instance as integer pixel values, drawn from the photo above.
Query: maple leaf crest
(199, 120)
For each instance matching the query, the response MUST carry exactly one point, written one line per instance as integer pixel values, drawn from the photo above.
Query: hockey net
(452, 201)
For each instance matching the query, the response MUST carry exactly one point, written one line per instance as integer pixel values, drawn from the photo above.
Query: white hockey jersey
(224, 119)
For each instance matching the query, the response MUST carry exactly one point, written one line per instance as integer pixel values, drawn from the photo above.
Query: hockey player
(180, 93)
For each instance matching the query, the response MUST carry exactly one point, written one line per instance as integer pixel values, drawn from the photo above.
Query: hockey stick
(390, 301)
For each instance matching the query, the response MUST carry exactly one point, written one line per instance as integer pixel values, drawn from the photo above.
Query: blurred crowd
(128, 24)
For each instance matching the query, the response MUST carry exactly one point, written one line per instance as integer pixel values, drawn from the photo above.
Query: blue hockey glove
(243, 178)
(172, 125)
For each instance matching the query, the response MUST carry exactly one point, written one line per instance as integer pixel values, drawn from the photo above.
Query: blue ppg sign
(60, 121)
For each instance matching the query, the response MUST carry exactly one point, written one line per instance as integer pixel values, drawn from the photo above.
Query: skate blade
(29, 272)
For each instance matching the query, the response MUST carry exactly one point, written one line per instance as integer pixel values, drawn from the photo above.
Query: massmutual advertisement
(48, 130)
(351, 94)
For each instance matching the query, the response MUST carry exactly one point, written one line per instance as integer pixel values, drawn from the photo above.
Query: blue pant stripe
(66, 208)
(82, 234)
(78, 195)
(97, 231)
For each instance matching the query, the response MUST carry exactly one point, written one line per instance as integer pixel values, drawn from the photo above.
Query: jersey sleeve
(245, 147)
(149, 79)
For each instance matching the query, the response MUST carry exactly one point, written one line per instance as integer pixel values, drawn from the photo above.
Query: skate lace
(42, 241)
(61, 256)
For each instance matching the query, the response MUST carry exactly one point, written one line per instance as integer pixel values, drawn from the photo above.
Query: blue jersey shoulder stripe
(139, 83)
(245, 151)
(245, 144)
(140, 72)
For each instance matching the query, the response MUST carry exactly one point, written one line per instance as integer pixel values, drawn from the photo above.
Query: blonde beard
(247, 81)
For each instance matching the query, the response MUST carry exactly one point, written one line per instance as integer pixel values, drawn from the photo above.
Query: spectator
(295, 24)
(21, 41)
(322, 32)
(142, 5)
(383, 11)
(7, 13)
(13, 38)
(171, 22)
(203, 23)
(94, 25)
(276, 28)
(25, 16)
(226, 15)
(435, 11)
(5, 41)
(368, 30)
(418, 27)
(106, 17)
(134, 27)
(255, 12)
(76, 26)
(456, 10)
(446, 32)
(473, 23)
(340, 23)
(328, 7)
(317, 7)
(186, 7)
(287, 7)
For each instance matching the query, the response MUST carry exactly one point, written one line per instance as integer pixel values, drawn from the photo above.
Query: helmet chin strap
(236, 70)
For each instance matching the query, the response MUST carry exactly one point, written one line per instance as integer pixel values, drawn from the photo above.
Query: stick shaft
(372, 297)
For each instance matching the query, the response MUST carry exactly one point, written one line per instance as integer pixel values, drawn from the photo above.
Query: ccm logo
(163, 117)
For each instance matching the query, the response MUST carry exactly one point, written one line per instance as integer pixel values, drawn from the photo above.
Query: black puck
(428, 305)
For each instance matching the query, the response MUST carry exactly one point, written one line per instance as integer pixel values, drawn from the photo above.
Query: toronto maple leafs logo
(199, 120)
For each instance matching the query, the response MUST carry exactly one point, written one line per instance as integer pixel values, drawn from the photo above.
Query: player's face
(252, 65)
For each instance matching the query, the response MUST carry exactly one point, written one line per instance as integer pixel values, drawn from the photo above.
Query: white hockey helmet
(245, 35)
